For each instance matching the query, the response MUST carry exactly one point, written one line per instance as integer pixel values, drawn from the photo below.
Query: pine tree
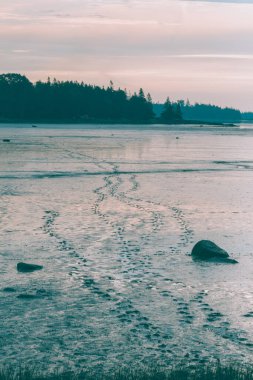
(178, 112)
(167, 114)
(141, 94)
(149, 98)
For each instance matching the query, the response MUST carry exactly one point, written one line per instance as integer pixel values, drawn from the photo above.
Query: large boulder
(23, 267)
(207, 250)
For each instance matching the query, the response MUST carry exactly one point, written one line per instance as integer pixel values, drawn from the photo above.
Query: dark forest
(77, 102)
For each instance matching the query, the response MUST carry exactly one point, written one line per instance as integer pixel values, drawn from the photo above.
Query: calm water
(112, 215)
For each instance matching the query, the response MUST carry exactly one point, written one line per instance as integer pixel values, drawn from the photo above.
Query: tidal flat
(112, 214)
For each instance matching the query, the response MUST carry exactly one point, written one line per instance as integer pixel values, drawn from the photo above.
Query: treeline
(22, 100)
(247, 116)
(203, 112)
(209, 112)
(72, 101)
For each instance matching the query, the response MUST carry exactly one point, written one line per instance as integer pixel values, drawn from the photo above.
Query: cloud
(223, 1)
(20, 51)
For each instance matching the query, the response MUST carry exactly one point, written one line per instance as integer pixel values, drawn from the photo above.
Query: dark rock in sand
(6, 140)
(9, 290)
(207, 250)
(248, 315)
(27, 296)
(23, 267)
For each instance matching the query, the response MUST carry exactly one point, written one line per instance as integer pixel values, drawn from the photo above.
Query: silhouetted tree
(171, 112)
(69, 101)
(196, 112)
(149, 98)
(15, 96)
(210, 113)
(53, 100)
(139, 109)
(177, 111)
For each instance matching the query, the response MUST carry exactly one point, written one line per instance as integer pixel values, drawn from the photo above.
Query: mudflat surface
(112, 215)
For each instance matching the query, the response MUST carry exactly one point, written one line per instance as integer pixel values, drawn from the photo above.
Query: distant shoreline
(35, 123)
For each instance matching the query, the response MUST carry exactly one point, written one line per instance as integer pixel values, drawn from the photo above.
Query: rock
(207, 250)
(9, 290)
(27, 296)
(23, 267)
(249, 315)
(6, 140)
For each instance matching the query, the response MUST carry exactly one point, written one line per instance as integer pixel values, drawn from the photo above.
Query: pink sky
(201, 50)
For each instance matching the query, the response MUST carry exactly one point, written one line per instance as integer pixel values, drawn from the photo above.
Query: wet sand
(112, 215)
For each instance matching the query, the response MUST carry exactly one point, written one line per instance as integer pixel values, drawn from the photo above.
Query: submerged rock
(23, 267)
(207, 250)
(39, 294)
(6, 140)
